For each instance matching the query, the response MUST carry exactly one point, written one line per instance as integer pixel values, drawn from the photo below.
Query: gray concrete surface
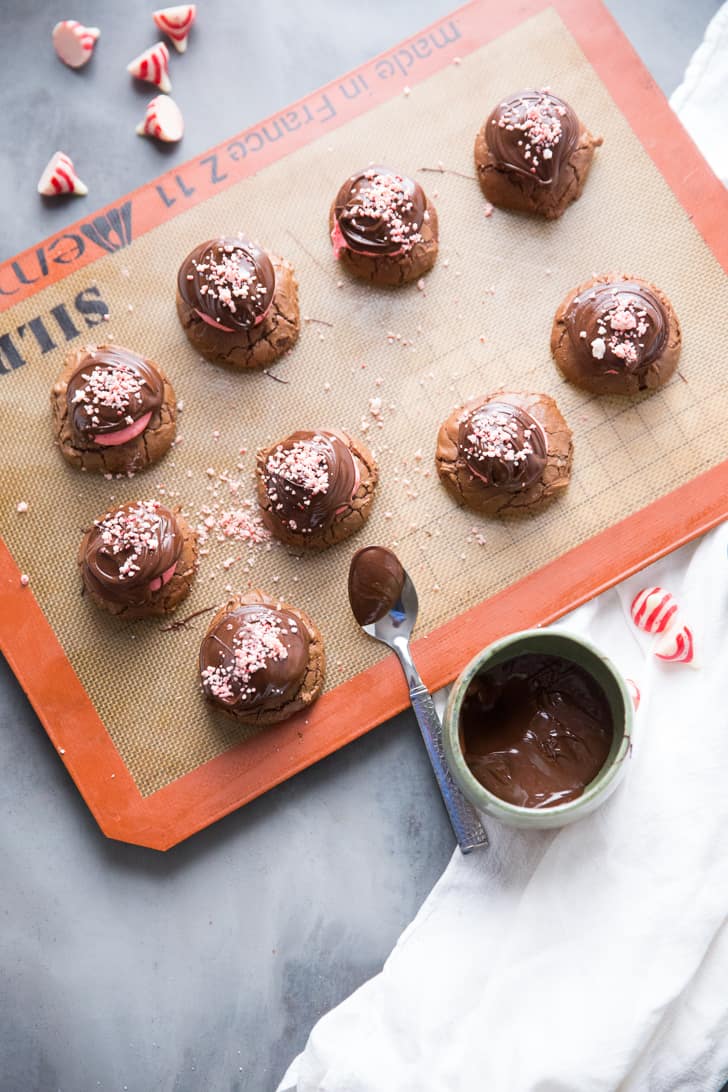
(203, 970)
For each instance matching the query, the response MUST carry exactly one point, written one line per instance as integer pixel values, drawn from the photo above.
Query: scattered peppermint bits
(21, 506)
(243, 524)
(598, 348)
(476, 536)
(488, 210)
(24, 580)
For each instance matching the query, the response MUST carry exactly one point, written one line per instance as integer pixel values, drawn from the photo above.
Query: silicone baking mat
(120, 700)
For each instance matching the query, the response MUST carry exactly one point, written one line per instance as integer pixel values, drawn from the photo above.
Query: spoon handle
(463, 816)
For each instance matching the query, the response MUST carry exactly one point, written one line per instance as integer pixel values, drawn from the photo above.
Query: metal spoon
(393, 629)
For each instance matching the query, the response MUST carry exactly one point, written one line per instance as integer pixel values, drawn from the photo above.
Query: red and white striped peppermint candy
(153, 66)
(163, 120)
(177, 23)
(634, 693)
(676, 646)
(653, 610)
(74, 43)
(60, 177)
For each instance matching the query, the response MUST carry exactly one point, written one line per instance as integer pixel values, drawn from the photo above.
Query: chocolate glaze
(230, 280)
(117, 564)
(524, 127)
(87, 413)
(298, 506)
(376, 579)
(597, 308)
(503, 445)
(229, 647)
(535, 730)
(380, 211)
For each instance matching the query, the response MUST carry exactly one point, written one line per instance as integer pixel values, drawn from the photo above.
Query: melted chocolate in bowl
(376, 579)
(535, 730)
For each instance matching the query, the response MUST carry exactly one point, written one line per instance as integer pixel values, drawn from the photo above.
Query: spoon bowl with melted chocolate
(538, 728)
(384, 602)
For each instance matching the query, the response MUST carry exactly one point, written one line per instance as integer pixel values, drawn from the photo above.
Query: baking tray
(651, 206)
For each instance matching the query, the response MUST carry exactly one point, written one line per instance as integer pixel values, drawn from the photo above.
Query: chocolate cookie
(509, 452)
(383, 227)
(238, 304)
(261, 660)
(533, 154)
(138, 560)
(616, 334)
(113, 411)
(316, 488)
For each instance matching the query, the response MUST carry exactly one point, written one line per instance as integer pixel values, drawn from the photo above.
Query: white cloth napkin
(702, 97)
(595, 957)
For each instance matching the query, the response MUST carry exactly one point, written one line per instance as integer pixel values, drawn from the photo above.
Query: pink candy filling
(339, 243)
(113, 439)
(229, 329)
(160, 581)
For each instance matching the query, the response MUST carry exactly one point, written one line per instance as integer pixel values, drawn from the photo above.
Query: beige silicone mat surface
(482, 320)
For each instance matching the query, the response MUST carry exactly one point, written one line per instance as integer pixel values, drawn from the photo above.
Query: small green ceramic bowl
(579, 651)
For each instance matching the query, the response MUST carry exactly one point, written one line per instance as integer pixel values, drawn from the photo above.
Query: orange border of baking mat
(257, 764)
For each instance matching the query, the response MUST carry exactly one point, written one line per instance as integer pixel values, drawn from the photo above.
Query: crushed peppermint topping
(539, 123)
(232, 279)
(131, 531)
(257, 642)
(494, 434)
(387, 198)
(621, 329)
(116, 387)
(302, 466)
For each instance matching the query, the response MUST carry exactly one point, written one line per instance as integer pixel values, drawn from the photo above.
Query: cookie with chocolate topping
(316, 488)
(616, 334)
(114, 411)
(138, 560)
(383, 227)
(237, 303)
(533, 154)
(261, 660)
(509, 452)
